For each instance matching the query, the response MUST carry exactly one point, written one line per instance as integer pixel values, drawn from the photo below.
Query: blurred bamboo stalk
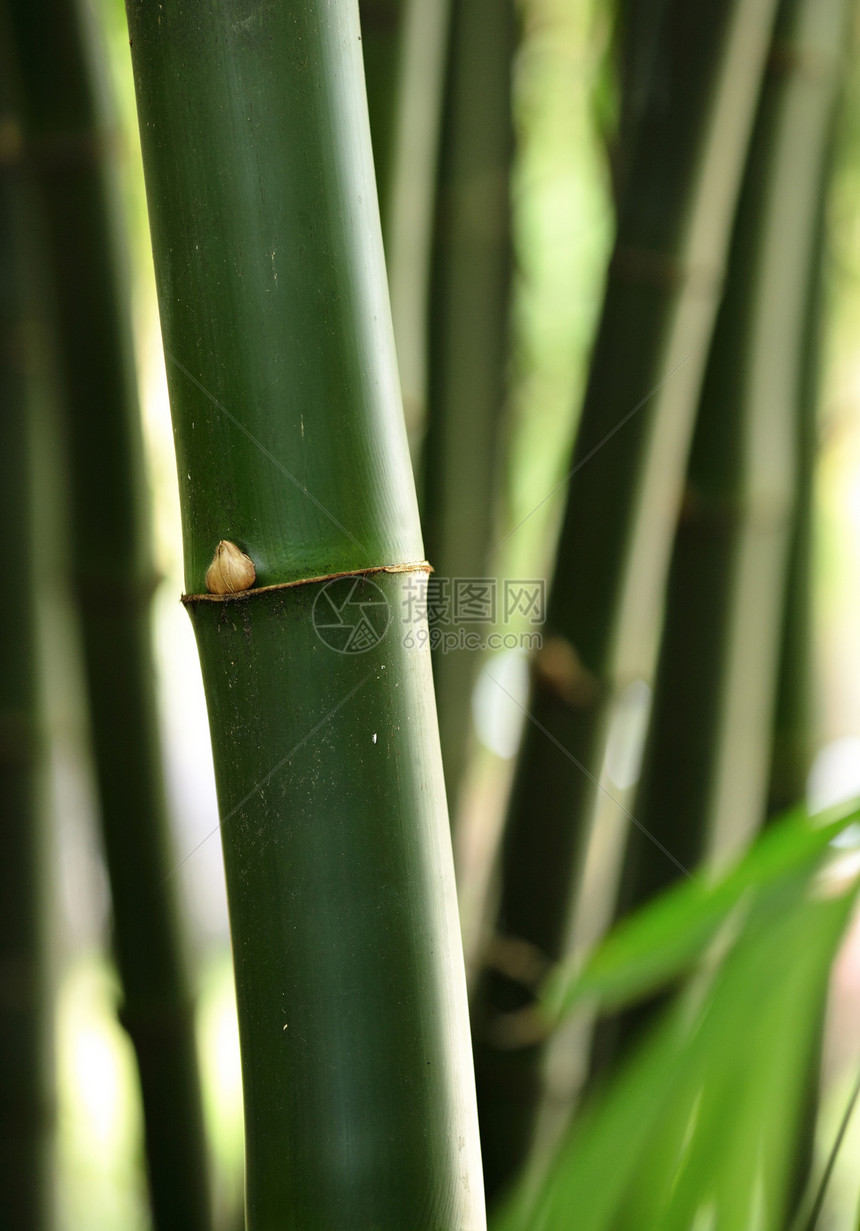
(408, 216)
(635, 46)
(381, 45)
(27, 1111)
(69, 147)
(661, 298)
(468, 339)
(405, 46)
(359, 1097)
(703, 790)
(794, 727)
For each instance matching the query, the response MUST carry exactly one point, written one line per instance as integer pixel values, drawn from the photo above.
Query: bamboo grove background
(622, 258)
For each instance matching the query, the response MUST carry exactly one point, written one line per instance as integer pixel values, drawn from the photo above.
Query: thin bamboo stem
(408, 217)
(381, 45)
(468, 333)
(635, 49)
(794, 720)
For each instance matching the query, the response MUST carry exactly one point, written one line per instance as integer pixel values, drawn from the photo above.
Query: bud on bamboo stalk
(230, 571)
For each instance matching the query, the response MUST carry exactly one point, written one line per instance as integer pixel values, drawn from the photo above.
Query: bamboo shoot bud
(230, 571)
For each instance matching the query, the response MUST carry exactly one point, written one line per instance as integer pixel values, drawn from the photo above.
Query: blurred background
(562, 230)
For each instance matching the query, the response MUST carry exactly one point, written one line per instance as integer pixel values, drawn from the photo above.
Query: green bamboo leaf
(702, 1122)
(758, 1043)
(665, 937)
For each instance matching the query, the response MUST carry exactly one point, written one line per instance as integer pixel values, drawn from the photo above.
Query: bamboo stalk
(113, 582)
(408, 217)
(405, 44)
(705, 776)
(359, 1103)
(660, 303)
(381, 43)
(794, 728)
(468, 333)
(794, 723)
(26, 1076)
(637, 26)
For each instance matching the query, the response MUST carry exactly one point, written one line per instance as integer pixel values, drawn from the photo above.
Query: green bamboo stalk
(634, 49)
(26, 1077)
(468, 334)
(408, 217)
(793, 742)
(359, 1102)
(660, 303)
(794, 723)
(113, 582)
(405, 47)
(793, 737)
(381, 43)
(705, 773)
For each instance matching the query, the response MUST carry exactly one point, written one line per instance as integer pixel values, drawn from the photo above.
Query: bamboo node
(11, 142)
(413, 566)
(231, 570)
(661, 270)
(559, 668)
(518, 960)
(813, 63)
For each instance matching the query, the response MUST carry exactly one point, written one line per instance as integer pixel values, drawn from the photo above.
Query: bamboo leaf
(701, 1123)
(665, 937)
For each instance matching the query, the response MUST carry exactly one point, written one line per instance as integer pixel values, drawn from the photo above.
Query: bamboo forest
(430, 682)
